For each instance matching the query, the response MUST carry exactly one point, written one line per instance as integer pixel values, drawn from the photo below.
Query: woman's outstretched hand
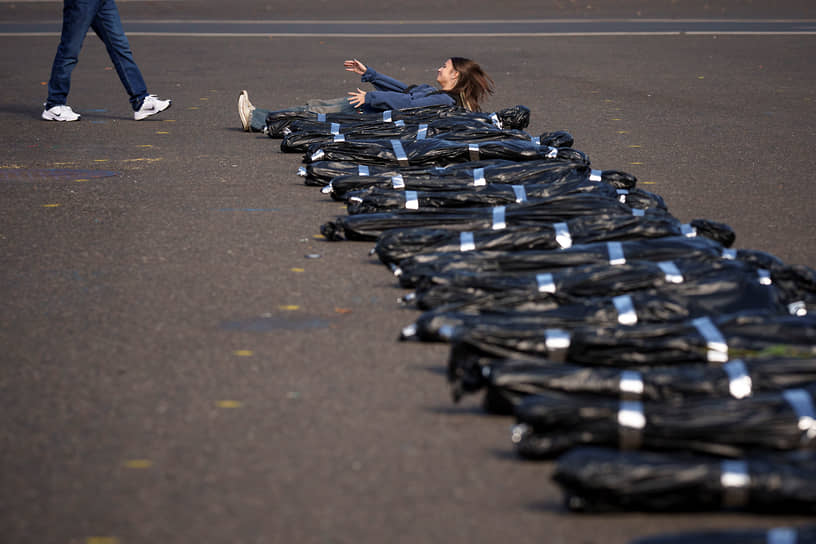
(355, 66)
(357, 98)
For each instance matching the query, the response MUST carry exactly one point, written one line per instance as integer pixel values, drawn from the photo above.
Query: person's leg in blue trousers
(108, 26)
(103, 16)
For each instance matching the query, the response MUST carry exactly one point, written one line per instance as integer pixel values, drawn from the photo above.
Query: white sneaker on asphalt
(60, 113)
(245, 109)
(151, 106)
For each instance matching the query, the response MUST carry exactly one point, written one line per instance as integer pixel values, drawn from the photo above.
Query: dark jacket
(396, 95)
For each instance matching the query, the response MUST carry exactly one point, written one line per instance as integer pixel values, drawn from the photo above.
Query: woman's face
(446, 76)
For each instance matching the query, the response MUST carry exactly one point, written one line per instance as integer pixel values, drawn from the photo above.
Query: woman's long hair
(472, 86)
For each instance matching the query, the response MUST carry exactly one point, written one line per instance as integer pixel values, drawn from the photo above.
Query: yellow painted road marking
(635, 163)
(101, 540)
(623, 132)
(298, 269)
(319, 237)
(101, 160)
(51, 205)
(162, 132)
(138, 463)
(289, 307)
(81, 179)
(228, 404)
(634, 146)
(145, 145)
(243, 352)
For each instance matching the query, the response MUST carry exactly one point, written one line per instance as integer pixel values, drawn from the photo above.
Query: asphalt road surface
(185, 360)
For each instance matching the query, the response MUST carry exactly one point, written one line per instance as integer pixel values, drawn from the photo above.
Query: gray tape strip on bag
(798, 308)
(729, 254)
(386, 116)
(781, 535)
(596, 175)
(688, 231)
(802, 404)
(631, 422)
(362, 170)
(546, 283)
(317, 155)
(422, 132)
(473, 151)
(397, 182)
(717, 348)
(739, 381)
(400, 123)
(615, 250)
(734, 479)
(764, 277)
(626, 310)
(335, 128)
(466, 242)
(498, 218)
(536, 140)
(631, 384)
(321, 117)
(637, 212)
(478, 177)
(562, 235)
(520, 192)
(399, 152)
(496, 120)
(339, 138)
(552, 153)
(411, 200)
(302, 172)
(557, 342)
(622, 194)
(673, 274)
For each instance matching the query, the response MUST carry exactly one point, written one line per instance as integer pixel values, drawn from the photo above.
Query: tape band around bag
(496, 120)
(473, 151)
(386, 116)
(339, 138)
(321, 117)
(562, 235)
(318, 155)
(739, 381)
(479, 177)
(671, 272)
(716, 346)
(631, 384)
(626, 310)
(637, 212)
(362, 170)
(729, 254)
(557, 342)
(798, 308)
(688, 231)
(764, 277)
(466, 241)
(536, 140)
(520, 192)
(499, 221)
(302, 172)
(802, 403)
(735, 481)
(335, 128)
(615, 251)
(631, 421)
(782, 535)
(552, 153)
(596, 175)
(545, 282)
(411, 200)
(400, 123)
(397, 182)
(399, 152)
(622, 194)
(422, 132)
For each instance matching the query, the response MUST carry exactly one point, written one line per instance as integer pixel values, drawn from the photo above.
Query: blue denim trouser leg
(257, 120)
(103, 16)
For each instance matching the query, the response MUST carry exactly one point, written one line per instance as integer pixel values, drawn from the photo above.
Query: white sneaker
(151, 106)
(245, 109)
(60, 113)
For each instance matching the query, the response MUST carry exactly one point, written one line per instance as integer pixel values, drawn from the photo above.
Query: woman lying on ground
(462, 82)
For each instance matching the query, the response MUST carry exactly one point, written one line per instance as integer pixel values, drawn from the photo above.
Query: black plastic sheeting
(506, 382)
(434, 152)
(548, 424)
(554, 210)
(700, 340)
(395, 245)
(775, 535)
(278, 123)
(342, 176)
(601, 479)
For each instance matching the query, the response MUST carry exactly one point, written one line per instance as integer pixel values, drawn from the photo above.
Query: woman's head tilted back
(465, 81)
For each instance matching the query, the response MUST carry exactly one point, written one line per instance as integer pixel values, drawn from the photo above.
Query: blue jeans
(332, 105)
(103, 17)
